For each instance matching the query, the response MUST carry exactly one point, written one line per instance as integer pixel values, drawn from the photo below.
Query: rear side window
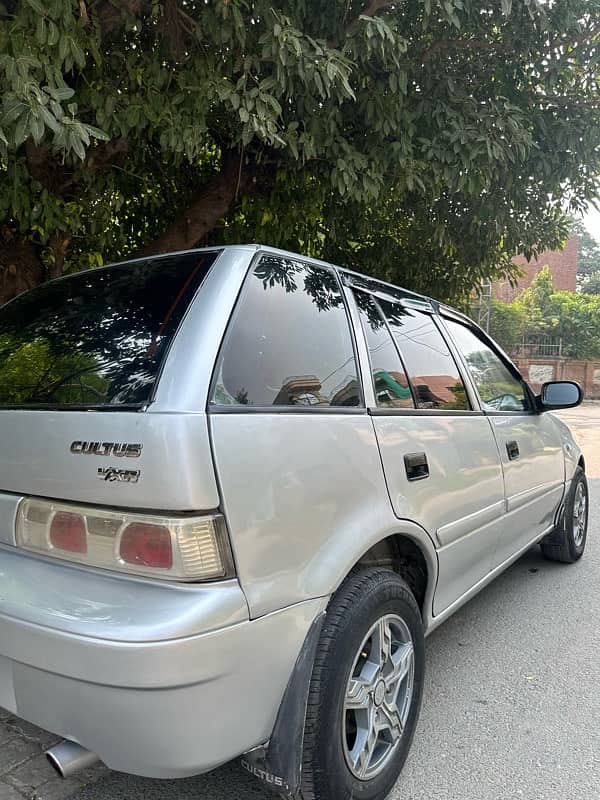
(389, 378)
(289, 342)
(98, 338)
(431, 368)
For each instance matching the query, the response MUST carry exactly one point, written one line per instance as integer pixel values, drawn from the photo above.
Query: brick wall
(539, 370)
(562, 263)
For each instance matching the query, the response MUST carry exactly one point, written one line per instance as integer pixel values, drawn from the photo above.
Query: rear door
(80, 360)
(439, 454)
(528, 442)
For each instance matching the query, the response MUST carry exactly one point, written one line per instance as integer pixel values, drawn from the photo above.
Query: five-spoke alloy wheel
(579, 514)
(378, 696)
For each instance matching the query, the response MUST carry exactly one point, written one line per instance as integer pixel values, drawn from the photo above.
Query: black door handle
(416, 466)
(512, 448)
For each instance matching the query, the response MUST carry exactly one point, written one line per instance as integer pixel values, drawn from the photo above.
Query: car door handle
(512, 448)
(416, 466)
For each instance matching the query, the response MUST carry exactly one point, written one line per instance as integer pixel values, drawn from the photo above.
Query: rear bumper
(165, 708)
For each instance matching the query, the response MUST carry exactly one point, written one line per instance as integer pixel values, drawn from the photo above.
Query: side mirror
(559, 394)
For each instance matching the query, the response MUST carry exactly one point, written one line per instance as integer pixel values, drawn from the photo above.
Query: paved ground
(511, 707)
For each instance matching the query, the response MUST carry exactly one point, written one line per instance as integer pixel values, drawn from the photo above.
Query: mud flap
(278, 763)
(558, 533)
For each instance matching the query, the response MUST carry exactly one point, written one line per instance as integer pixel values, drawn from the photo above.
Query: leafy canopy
(539, 310)
(426, 142)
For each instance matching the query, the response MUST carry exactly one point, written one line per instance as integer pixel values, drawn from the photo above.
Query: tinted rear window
(289, 343)
(97, 338)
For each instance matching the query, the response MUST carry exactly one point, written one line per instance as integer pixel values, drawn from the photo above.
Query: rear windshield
(96, 339)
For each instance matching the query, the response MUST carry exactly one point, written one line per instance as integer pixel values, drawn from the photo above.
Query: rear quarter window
(289, 341)
(97, 338)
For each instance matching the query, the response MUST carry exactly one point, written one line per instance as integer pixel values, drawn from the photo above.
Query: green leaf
(22, 130)
(40, 31)
(78, 147)
(37, 129)
(78, 54)
(97, 133)
(37, 7)
(63, 47)
(53, 34)
(49, 119)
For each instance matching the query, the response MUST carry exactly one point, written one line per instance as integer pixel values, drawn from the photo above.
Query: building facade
(563, 266)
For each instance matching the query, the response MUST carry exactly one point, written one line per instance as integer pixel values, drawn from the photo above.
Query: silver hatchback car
(238, 487)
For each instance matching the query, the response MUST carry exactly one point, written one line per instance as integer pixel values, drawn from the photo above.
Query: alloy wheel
(579, 514)
(378, 697)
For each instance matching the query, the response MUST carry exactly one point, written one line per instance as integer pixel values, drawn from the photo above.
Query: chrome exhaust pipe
(67, 758)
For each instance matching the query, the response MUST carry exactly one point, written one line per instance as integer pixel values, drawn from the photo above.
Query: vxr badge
(112, 474)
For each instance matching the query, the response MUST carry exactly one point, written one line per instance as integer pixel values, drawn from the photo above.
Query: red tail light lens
(147, 545)
(67, 532)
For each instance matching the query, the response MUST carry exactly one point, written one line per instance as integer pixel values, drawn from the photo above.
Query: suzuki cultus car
(238, 487)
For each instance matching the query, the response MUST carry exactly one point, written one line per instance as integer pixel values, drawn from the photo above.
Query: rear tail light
(146, 545)
(189, 548)
(67, 532)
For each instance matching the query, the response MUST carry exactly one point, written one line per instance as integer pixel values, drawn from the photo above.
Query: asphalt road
(512, 698)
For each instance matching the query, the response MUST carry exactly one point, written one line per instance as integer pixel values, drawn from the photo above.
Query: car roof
(352, 278)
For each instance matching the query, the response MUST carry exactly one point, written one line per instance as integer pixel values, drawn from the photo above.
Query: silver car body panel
(461, 454)
(175, 465)
(293, 537)
(162, 708)
(107, 605)
(186, 375)
(167, 680)
(534, 482)
(9, 503)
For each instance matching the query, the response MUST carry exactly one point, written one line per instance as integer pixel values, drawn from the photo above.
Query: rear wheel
(365, 691)
(567, 542)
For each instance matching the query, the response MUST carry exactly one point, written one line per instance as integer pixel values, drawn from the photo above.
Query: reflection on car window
(97, 338)
(498, 388)
(431, 368)
(289, 343)
(391, 385)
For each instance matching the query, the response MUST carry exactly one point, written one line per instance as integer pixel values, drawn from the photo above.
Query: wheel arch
(407, 549)
(403, 555)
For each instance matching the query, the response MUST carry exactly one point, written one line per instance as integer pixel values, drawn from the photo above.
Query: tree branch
(59, 245)
(45, 166)
(212, 203)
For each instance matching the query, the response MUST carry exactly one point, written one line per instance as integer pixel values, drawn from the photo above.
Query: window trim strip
(424, 412)
(242, 409)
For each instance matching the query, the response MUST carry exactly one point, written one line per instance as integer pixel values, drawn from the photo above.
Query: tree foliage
(426, 142)
(588, 261)
(592, 284)
(540, 311)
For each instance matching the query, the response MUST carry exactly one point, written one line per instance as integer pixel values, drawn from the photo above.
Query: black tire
(564, 544)
(363, 599)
